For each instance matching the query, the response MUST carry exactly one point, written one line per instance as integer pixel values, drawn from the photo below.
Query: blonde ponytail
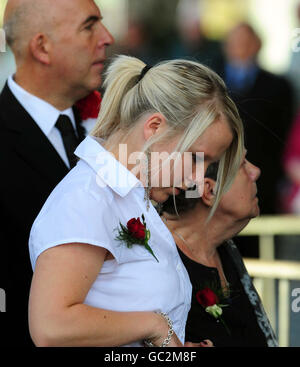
(121, 76)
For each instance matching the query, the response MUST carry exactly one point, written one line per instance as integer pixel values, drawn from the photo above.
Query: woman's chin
(256, 209)
(257, 213)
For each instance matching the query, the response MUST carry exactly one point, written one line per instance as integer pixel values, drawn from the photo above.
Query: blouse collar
(108, 169)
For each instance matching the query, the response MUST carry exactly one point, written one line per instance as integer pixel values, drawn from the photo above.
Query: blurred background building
(255, 46)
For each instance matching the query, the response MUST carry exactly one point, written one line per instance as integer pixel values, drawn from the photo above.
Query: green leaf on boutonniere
(135, 233)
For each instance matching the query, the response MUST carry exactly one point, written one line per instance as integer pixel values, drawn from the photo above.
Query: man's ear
(39, 47)
(154, 124)
(208, 196)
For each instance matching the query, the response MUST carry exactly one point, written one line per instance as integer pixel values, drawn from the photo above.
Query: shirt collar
(111, 172)
(43, 113)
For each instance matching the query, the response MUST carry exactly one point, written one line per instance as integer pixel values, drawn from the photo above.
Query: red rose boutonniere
(210, 302)
(135, 233)
(89, 106)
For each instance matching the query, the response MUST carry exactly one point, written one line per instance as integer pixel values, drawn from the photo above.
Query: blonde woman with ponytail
(106, 268)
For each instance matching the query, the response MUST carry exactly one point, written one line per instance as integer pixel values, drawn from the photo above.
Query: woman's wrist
(163, 333)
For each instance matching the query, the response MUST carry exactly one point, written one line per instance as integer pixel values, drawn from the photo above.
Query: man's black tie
(70, 140)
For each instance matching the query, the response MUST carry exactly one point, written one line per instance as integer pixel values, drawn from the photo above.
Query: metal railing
(266, 269)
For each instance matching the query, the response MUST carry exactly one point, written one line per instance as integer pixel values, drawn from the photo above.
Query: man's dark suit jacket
(266, 109)
(30, 168)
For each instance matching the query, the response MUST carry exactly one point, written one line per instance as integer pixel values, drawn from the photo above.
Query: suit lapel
(31, 143)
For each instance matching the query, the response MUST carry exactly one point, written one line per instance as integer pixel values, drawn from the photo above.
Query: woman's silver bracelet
(167, 341)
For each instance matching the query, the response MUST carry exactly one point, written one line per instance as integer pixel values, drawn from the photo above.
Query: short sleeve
(73, 217)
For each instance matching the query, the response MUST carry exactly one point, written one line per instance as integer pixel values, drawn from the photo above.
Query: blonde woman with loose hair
(89, 288)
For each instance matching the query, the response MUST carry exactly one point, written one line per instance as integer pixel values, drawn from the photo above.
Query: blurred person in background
(265, 102)
(59, 48)
(290, 193)
(288, 247)
(191, 41)
(136, 42)
(215, 266)
(293, 73)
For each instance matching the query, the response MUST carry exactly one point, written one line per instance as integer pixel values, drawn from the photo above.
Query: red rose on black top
(136, 228)
(206, 297)
(89, 106)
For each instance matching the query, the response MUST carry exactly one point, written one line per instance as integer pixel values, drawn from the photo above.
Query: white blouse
(86, 207)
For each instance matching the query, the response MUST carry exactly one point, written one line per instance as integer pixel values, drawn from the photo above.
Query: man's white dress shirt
(45, 116)
(86, 207)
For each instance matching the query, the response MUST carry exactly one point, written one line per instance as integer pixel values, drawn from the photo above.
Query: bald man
(59, 48)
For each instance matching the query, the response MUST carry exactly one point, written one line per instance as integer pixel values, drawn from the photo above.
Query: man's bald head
(59, 45)
(25, 18)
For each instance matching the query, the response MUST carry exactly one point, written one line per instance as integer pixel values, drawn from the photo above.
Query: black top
(238, 316)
